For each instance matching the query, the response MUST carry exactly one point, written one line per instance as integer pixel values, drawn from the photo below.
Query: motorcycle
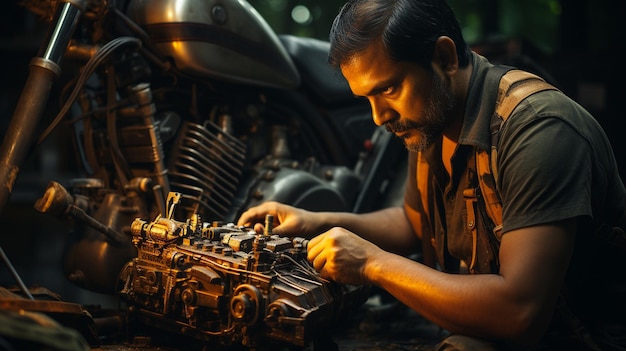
(183, 114)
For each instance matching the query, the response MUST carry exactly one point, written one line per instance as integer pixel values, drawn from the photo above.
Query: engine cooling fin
(206, 166)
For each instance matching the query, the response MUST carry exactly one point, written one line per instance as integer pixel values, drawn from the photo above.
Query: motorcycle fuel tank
(223, 39)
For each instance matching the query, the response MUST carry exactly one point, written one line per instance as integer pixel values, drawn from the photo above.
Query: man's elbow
(529, 328)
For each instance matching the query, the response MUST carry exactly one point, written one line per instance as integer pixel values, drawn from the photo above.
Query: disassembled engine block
(228, 283)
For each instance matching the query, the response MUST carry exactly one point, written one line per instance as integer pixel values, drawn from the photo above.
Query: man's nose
(381, 111)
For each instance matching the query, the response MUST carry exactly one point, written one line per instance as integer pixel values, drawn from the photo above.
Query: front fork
(44, 69)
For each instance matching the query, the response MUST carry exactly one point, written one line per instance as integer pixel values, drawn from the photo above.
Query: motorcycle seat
(310, 56)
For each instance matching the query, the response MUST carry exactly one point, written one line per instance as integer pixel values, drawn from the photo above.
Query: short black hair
(408, 30)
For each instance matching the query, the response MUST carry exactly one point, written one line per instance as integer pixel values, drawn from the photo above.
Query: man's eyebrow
(380, 86)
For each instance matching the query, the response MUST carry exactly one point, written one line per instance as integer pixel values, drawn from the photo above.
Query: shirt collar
(475, 130)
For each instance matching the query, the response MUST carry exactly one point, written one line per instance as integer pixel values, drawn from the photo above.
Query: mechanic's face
(407, 99)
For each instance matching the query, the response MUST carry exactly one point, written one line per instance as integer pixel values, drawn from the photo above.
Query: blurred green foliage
(536, 21)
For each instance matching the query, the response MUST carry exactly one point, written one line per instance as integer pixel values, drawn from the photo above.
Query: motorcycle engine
(227, 283)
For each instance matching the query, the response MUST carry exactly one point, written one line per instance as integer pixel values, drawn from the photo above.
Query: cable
(15, 275)
(103, 53)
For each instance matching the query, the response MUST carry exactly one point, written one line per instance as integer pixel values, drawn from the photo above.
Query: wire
(103, 53)
(15, 275)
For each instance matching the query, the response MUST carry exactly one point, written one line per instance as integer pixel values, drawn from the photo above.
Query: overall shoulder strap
(513, 87)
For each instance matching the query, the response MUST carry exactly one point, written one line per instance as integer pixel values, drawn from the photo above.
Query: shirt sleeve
(545, 171)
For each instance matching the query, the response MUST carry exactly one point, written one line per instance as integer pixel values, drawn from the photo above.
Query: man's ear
(444, 56)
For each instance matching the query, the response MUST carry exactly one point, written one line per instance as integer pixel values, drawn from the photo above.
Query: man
(557, 180)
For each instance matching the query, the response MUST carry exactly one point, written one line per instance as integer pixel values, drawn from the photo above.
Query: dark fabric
(554, 163)
(465, 343)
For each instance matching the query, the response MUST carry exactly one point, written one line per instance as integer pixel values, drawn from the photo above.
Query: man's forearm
(387, 228)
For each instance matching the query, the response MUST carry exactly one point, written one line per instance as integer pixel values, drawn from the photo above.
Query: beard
(436, 117)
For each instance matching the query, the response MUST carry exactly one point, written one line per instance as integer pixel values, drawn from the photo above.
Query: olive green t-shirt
(554, 162)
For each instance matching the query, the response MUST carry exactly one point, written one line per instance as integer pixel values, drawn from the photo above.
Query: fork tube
(44, 69)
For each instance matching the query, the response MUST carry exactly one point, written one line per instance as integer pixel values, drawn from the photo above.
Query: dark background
(573, 43)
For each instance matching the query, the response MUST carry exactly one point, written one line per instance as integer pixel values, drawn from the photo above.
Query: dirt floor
(389, 326)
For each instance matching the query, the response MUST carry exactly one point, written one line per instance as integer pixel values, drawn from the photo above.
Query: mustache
(401, 126)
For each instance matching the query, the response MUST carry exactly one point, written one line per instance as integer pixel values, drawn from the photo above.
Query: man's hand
(288, 220)
(341, 255)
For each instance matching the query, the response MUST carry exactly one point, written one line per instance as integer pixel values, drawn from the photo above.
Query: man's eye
(389, 90)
